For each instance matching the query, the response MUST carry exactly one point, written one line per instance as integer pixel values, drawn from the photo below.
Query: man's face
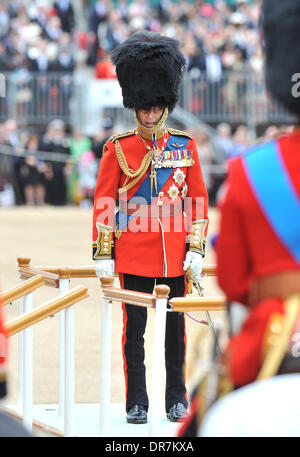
(149, 118)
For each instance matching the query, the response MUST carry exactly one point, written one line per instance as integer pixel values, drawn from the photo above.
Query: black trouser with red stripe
(135, 318)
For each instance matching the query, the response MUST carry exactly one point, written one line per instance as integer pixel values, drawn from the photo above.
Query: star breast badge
(179, 176)
(173, 192)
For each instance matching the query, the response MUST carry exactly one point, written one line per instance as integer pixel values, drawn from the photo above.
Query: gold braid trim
(104, 243)
(113, 138)
(131, 174)
(135, 176)
(179, 132)
(158, 129)
(197, 238)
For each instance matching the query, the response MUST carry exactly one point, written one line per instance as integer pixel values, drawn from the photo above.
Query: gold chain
(135, 176)
(148, 131)
(124, 166)
(131, 174)
(156, 150)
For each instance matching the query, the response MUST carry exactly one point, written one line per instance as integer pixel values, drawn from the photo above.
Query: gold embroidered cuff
(102, 247)
(197, 237)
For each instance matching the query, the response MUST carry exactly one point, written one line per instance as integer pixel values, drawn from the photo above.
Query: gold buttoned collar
(159, 129)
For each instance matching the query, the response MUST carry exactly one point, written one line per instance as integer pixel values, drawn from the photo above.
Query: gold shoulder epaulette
(179, 132)
(122, 135)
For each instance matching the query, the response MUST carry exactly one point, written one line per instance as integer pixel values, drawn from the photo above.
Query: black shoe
(137, 415)
(177, 413)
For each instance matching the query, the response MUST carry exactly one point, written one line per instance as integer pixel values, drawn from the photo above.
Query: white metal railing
(158, 301)
(66, 346)
(22, 324)
(59, 277)
(36, 97)
(236, 96)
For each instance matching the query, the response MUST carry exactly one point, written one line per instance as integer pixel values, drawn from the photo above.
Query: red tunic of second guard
(248, 249)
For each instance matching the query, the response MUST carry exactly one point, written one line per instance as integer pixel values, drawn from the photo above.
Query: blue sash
(274, 190)
(162, 176)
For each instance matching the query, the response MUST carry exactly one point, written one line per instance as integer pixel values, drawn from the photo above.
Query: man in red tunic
(150, 211)
(258, 246)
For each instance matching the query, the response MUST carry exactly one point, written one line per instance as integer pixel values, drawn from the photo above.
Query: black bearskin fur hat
(281, 34)
(149, 68)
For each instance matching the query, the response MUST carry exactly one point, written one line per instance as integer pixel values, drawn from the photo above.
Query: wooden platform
(86, 421)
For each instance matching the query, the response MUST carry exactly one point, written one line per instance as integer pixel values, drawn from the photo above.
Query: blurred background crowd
(216, 35)
(45, 158)
(44, 34)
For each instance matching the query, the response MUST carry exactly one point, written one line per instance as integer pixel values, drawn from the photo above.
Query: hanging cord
(200, 321)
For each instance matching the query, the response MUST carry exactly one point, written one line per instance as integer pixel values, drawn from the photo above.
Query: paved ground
(62, 236)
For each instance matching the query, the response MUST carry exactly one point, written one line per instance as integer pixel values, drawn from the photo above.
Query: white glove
(195, 262)
(104, 267)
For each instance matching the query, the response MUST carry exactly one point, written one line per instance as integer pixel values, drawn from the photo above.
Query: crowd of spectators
(220, 41)
(217, 35)
(60, 167)
(36, 38)
(55, 167)
(42, 36)
(217, 150)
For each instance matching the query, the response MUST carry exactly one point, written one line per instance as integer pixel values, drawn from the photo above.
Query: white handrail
(69, 372)
(105, 373)
(63, 287)
(157, 301)
(24, 327)
(28, 367)
(158, 353)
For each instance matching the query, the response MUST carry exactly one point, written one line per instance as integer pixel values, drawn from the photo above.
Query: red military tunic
(249, 249)
(149, 245)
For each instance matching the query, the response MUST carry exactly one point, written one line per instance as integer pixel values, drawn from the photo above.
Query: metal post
(67, 363)
(105, 379)
(63, 287)
(105, 373)
(61, 363)
(28, 367)
(20, 356)
(69, 372)
(158, 354)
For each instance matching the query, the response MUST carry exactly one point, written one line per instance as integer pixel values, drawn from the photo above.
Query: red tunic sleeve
(106, 190)
(233, 262)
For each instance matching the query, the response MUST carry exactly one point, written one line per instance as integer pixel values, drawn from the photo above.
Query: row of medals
(158, 162)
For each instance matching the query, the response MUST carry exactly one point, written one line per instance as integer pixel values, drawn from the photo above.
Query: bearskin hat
(149, 68)
(281, 34)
